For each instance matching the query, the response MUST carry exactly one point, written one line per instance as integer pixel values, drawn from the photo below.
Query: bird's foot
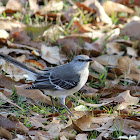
(54, 110)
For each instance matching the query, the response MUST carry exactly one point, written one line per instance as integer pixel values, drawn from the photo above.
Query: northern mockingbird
(59, 81)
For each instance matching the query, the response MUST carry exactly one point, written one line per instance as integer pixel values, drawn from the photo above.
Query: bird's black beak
(88, 60)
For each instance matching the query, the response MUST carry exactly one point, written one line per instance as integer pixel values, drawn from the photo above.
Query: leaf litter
(46, 34)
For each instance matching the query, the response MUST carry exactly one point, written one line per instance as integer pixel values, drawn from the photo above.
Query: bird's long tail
(18, 64)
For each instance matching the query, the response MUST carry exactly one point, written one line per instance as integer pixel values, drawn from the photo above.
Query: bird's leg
(53, 107)
(63, 103)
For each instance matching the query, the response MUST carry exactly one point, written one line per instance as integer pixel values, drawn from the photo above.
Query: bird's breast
(83, 77)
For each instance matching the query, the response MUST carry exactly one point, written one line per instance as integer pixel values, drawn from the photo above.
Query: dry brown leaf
(92, 49)
(51, 54)
(84, 122)
(7, 82)
(68, 132)
(22, 40)
(124, 126)
(35, 123)
(118, 89)
(124, 99)
(34, 94)
(9, 24)
(106, 126)
(40, 136)
(33, 5)
(93, 46)
(100, 11)
(63, 138)
(113, 7)
(90, 92)
(131, 51)
(108, 59)
(128, 65)
(12, 124)
(69, 14)
(98, 67)
(128, 3)
(13, 71)
(113, 47)
(2, 9)
(17, 51)
(51, 33)
(5, 134)
(74, 43)
(15, 6)
(81, 108)
(81, 137)
(3, 97)
(128, 100)
(19, 46)
(4, 34)
(52, 5)
(94, 105)
(131, 28)
(54, 129)
(35, 64)
(8, 93)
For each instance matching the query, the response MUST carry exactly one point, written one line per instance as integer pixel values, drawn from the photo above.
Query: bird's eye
(80, 60)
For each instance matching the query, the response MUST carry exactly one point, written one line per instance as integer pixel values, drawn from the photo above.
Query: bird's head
(81, 61)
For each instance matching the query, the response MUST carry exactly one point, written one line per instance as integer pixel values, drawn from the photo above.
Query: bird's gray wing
(52, 82)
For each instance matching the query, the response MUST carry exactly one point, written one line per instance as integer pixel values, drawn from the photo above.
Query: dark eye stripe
(81, 60)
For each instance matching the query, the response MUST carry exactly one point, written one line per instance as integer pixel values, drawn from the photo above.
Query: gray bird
(59, 81)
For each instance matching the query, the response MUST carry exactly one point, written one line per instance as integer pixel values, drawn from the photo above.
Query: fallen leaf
(121, 124)
(108, 59)
(113, 7)
(81, 108)
(33, 5)
(5, 134)
(113, 48)
(33, 94)
(9, 24)
(4, 34)
(35, 63)
(7, 82)
(132, 52)
(17, 51)
(13, 7)
(12, 125)
(94, 105)
(84, 122)
(52, 5)
(63, 138)
(2, 9)
(54, 129)
(98, 67)
(81, 137)
(3, 97)
(128, 65)
(100, 11)
(128, 100)
(19, 46)
(124, 99)
(70, 13)
(13, 71)
(128, 3)
(89, 92)
(73, 43)
(51, 54)
(40, 136)
(131, 28)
